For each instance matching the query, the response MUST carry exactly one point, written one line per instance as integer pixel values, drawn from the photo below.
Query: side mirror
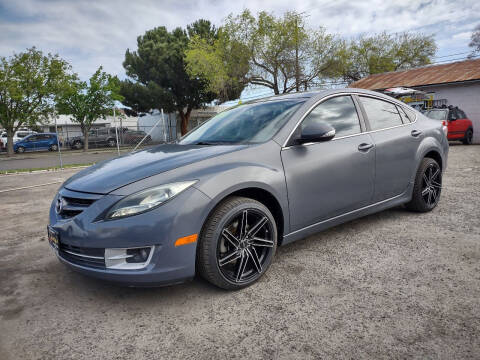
(316, 132)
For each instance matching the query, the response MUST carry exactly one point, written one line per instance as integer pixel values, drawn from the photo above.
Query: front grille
(90, 257)
(72, 206)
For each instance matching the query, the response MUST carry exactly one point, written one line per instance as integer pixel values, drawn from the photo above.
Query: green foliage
(29, 83)
(380, 53)
(158, 76)
(223, 62)
(277, 52)
(87, 102)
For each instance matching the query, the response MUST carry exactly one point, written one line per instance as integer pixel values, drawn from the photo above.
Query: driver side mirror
(316, 132)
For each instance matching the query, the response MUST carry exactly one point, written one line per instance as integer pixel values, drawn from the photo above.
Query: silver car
(254, 177)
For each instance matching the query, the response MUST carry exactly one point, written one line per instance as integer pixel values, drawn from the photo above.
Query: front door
(330, 178)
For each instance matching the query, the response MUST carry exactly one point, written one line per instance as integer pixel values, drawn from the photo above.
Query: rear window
(381, 114)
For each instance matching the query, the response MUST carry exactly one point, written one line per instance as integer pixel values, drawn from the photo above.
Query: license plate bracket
(53, 237)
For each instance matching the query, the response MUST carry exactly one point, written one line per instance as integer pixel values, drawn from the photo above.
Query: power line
(443, 56)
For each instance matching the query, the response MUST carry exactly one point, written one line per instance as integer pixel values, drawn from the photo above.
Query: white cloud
(92, 33)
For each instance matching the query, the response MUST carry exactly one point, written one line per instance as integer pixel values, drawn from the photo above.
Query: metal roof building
(456, 83)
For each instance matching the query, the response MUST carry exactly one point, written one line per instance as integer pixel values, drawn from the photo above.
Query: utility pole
(297, 70)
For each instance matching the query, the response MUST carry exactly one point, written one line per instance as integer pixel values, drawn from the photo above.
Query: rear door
(330, 178)
(396, 140)
(458, 123)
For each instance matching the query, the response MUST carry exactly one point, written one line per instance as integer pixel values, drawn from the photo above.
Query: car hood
(109, 175)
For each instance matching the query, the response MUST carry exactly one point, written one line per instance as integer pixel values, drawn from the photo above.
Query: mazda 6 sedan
(260, 175)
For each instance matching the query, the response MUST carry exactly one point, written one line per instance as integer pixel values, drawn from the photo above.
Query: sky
(92, 33)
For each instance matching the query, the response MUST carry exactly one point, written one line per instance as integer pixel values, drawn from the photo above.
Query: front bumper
(161, 227)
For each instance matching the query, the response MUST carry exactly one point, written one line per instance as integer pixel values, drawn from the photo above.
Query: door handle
(365, 146)
(416, 133)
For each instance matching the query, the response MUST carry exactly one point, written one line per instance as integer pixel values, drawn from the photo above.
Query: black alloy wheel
(245, 246)
(238, 243)
(427, 187)
(432, 184)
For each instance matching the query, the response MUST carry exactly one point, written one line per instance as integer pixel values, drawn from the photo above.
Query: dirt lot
(391, 285)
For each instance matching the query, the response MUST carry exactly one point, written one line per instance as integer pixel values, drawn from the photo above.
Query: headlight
(147, 199)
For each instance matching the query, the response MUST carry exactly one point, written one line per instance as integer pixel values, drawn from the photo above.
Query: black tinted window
(339, 112)
(381, 114)
(403, 115)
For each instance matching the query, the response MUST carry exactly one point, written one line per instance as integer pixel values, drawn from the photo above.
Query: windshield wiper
(205, 143)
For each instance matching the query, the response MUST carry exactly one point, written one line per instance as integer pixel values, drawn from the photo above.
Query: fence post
(164, 128)
(116, 131)
(58, 141)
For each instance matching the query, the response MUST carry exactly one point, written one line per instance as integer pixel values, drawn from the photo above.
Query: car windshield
(244, 124)
(437, 114)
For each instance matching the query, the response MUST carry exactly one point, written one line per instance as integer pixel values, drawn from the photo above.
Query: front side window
(243, 124)
(381, 114)
(339, 112)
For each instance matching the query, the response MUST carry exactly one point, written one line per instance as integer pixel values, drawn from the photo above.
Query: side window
(102, 132)
(403, 115)
(339, 112)
(381, 114)
(33, 138)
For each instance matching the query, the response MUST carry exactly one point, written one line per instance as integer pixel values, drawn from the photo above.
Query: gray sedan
(254, 177)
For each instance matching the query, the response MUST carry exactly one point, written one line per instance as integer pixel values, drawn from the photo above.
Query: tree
(88, 102)
(282, 53)
(380, 53)
(222, 61)
(475, 41)
(158, 76)
(29, 83)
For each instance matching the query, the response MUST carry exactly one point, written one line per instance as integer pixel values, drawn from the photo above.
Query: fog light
(128, 258)
(139, 255)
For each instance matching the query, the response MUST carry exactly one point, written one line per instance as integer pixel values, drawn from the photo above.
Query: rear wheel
(111, 142)
(237, 244)
(427, 187)
(77, 145)
(53, 147)
(468, 137)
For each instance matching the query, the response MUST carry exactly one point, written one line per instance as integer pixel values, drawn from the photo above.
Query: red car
(459, 126)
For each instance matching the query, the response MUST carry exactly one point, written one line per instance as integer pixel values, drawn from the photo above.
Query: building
(455, 84)
(67, 128)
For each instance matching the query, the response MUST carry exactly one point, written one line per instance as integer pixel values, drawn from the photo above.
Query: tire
(111, 143)
(77, 145)
(246, 254)
(53, 147)
(427, 187)
(468, 137)
(20, 150)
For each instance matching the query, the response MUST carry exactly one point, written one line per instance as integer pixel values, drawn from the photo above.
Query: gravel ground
(390, 285)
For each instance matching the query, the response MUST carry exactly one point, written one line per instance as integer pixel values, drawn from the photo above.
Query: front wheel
(20, 150)
(468, 137)
(237, 244)
(427, 187)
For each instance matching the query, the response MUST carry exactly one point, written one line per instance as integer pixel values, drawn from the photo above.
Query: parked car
(259, 175)
(96, 138)
(459, 125)
(37, 142)
(134, 137)
(17, 136)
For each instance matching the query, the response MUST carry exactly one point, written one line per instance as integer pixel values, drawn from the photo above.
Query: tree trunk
(85, 142)
(184, 117)
(9, 142)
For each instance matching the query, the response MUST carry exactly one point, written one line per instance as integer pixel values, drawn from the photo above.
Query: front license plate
(52, 237)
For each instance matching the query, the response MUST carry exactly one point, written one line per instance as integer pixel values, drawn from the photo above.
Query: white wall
(466, 97)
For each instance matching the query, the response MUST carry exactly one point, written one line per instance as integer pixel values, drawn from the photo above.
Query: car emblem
(59, 205)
